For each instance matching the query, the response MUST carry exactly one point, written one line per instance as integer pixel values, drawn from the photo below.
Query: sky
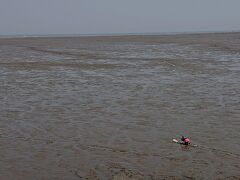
(30, 17)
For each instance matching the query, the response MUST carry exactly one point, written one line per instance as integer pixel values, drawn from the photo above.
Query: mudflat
(109, 107)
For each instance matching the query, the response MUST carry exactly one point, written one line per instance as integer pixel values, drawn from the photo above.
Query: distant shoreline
(116, 34)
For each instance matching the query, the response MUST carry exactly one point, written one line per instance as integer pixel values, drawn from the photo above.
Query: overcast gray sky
(117, 16)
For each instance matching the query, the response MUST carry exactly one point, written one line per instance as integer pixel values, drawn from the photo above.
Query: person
(185, 140)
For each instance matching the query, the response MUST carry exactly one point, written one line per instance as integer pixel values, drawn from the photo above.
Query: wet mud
(109, 107)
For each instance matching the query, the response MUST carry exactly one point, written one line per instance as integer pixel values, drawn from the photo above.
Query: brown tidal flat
(109, 107)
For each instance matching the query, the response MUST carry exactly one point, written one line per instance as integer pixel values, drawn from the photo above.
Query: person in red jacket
(185, 140)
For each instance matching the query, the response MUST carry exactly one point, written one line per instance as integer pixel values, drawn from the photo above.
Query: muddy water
(108, 107)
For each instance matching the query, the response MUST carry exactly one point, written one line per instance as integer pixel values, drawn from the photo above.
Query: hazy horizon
(59, 17)
(115, 34)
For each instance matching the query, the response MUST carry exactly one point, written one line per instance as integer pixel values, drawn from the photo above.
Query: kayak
(177, 141)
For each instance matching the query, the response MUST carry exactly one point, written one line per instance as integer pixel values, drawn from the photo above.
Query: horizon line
(114, 34)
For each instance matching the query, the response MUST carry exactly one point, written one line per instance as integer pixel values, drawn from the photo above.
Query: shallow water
(109, 107)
